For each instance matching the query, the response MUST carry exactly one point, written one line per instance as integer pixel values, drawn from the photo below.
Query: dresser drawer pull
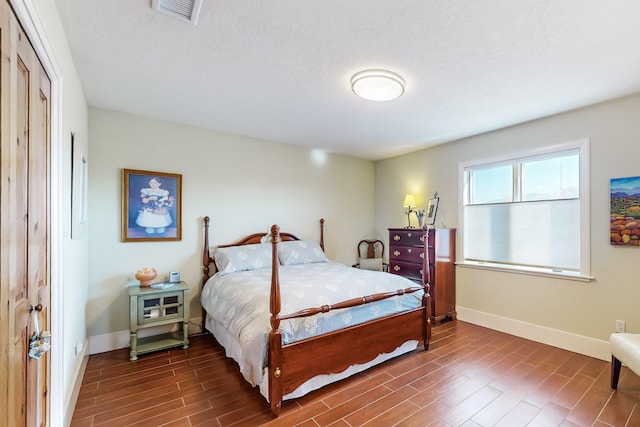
(396, 253)
(396, 268)
(422, 255)
(396, 238)
(409, 250)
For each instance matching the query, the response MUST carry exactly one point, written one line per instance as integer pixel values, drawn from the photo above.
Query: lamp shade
(377, 85)
(409, 201)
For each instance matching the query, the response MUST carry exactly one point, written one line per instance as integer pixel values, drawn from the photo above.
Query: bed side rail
(349, 303)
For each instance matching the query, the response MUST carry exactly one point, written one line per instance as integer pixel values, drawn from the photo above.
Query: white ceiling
(280, 70)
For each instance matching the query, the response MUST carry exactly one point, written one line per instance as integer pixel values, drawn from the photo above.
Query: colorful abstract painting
(625, 211)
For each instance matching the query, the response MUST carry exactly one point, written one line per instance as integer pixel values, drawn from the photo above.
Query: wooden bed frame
(290, 365)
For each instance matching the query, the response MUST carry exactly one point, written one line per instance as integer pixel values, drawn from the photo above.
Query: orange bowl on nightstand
(146, 276)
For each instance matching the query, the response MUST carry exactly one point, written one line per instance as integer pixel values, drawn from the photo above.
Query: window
(529, 212)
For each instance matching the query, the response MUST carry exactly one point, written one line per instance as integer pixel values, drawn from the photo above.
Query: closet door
(24, 226)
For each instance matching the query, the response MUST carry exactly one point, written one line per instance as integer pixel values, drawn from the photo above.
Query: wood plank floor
(471, 376)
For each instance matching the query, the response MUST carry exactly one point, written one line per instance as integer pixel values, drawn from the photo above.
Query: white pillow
(374, 264)
(242, 258)
(294, 252)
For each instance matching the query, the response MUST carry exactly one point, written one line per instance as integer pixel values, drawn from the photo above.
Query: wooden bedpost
(275, 337)
(322, 233)
(206, 260)
(274, 302)
(426, 297)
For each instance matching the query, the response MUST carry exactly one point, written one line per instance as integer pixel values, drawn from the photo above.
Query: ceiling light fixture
(377, 85)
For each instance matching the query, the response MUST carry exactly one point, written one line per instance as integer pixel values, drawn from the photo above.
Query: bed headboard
(255, 238)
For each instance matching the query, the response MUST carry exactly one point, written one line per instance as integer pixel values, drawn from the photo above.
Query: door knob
(40, 341)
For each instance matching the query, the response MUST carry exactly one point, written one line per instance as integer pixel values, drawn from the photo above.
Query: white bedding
(239, 303)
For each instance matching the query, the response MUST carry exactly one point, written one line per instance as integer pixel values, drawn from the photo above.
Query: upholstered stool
(625, 348)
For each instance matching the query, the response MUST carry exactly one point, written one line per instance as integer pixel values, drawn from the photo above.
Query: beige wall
(245, 185)
(550, 305)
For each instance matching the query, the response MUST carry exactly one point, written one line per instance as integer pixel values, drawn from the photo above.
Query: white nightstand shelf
(151, 307)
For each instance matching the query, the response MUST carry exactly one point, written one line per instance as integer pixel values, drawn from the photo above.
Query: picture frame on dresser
(151, 206)
(432, 210)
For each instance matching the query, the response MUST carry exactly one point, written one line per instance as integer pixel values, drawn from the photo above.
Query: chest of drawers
(406, 252)
(406, 257)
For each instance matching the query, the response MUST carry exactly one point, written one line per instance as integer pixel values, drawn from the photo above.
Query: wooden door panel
(6, 330)
(18, 281)
(24, 224)
(38, 231)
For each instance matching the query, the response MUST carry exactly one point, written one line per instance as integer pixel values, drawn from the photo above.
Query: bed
(289, 353)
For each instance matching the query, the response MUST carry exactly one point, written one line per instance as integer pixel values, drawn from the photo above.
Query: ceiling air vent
(187, 10)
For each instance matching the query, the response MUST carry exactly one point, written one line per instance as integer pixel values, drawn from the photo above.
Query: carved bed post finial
(206, 258)
(322, 233)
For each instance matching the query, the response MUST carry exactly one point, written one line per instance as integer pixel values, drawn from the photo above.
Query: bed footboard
(292, 364)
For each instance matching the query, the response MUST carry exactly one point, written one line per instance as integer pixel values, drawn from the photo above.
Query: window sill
(565, 275)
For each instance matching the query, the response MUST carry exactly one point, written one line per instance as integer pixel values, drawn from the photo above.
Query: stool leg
(615, 372)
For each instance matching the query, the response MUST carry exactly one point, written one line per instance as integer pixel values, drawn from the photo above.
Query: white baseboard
(121, 339)
(577, 343)
(72, 397)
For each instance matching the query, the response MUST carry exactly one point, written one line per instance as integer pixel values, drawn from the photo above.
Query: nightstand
(150, 307)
